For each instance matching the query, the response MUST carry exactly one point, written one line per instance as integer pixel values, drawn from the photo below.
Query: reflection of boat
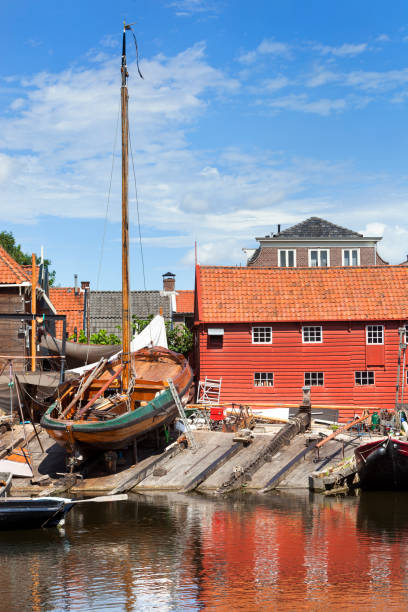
(383, 464)
(5, 483)
(384, 512)
(120, 400)
(30, 513)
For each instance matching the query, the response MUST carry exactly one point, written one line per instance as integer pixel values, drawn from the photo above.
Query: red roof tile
(66, 302)
(11, 273)
(185, 300)
(302, 294)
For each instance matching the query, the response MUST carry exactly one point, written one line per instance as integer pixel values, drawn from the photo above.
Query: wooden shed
(15, 299)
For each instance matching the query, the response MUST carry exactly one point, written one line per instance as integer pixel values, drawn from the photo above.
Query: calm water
(276, 552)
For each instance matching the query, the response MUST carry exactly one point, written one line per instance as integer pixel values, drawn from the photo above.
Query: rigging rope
(140, 233)
(105, 223)
(108, 200)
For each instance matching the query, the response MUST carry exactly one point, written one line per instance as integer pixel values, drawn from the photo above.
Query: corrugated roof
(11, 272)
(184, 300)
(302, 294)
(106, 308)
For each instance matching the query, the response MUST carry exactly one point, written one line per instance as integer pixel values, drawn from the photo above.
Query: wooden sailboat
(117, 402)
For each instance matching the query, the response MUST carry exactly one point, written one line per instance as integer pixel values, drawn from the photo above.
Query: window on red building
(375, 334)
(263, 379)
(262, 335)
(215, 338)
(364, 378)
(312, 333)
(314, 379)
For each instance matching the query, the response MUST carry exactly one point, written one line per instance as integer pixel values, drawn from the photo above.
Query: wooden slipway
(277, 457)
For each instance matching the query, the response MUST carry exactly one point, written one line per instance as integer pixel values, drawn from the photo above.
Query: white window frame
(308, 327)
(367, 374)
(316, 376)
(263, 327)
(264, 377)
(375, 332)
(286, 251)
(350, 265)
(319, 250)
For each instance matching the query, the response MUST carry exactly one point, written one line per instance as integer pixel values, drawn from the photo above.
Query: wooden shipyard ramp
(225, 462)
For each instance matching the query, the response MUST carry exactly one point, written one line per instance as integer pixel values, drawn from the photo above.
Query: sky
(249, 115)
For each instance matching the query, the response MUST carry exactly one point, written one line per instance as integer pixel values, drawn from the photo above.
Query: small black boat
(33, 512)
(383, 465)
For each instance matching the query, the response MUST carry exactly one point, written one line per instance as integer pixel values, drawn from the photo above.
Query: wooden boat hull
(31, 513)
(119, 432)
(383, 465)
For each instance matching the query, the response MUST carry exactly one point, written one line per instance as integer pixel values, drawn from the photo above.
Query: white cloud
(266, 47)
(301, 102)
(373, 229)
(383, 38)
(111, 41)
(345, 50)
(276, 83)
(187, 8)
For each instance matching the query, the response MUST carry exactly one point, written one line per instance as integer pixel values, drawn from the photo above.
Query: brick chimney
(85, 285)
(169, 281)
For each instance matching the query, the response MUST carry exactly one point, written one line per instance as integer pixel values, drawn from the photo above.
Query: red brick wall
(268, 257)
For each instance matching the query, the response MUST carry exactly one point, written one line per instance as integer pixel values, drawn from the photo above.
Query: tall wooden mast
(125, 223)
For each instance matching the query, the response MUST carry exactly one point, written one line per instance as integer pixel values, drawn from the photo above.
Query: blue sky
(250, 114)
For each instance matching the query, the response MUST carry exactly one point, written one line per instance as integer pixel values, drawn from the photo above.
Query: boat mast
(125, 223)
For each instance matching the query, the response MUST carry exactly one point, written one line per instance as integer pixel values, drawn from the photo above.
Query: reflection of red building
(314, 557)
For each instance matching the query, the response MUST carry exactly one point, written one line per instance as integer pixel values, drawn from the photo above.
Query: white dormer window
(319, 258)
(351, 257)
(287, 258)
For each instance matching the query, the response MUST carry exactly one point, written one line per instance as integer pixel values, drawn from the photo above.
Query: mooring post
(306, 406)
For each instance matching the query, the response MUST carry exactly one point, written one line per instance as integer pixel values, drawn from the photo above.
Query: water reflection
(173, 552)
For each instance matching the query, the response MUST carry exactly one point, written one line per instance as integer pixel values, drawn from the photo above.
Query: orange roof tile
(302, 294)
(66, 302)
(185, 300)
(11, 273)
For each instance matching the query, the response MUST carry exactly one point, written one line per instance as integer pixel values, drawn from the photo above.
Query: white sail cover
(153, 334)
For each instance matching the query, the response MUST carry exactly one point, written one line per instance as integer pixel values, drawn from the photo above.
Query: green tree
(179, 339)
(8, 242)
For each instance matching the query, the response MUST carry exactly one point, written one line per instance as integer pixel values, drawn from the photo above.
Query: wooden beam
(364, 417)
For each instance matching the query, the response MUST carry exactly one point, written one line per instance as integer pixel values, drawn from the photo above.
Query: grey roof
(314, 227)
(105, 310)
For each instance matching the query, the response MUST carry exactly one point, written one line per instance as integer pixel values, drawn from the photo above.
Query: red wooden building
(269, 331)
